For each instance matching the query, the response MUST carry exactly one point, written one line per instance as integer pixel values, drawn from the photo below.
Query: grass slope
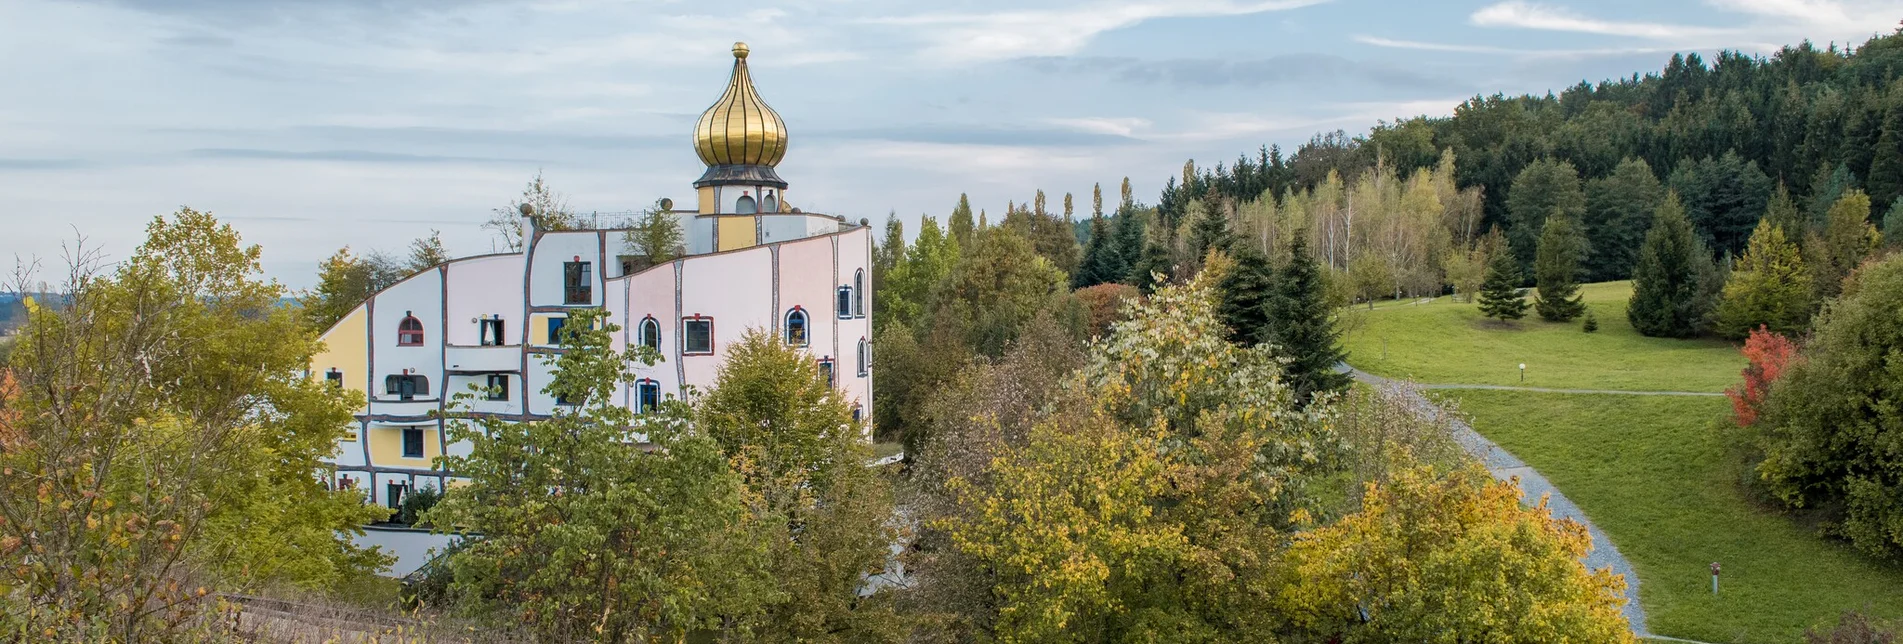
(1653, 473)
(1445, 341)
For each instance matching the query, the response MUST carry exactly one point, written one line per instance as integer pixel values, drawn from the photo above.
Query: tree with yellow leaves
(1453, 557)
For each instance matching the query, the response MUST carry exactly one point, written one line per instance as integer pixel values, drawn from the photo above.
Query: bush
(1592, 323)
(415, 504)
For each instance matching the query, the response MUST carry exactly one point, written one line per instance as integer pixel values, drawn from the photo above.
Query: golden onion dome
(740, 129)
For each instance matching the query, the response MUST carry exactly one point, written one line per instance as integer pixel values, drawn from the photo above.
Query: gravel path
(1504, 465)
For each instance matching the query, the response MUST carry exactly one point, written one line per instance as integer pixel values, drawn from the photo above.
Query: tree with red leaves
(1770, 354)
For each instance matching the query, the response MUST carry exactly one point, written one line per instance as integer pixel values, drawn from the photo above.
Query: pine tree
(1674, 284)
(1618, 211)
(1784, 213)
(1302, 326)
(960, 221)
(1556, 270)
(1245, 291)
(1210, 231)
(1153, 266)
(1769, 287)
(1500, 296)
(1886, 166)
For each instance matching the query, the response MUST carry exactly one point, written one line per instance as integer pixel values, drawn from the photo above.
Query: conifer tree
(1154, 262)
(1244, 293)
(1886, 164)
(1500, 294)
(1302, 326)
(1618, 211)
(1128, 230)
(1769, 287)
(960, 221)
(1210, 231)
(1543, 187)
(1556, 270)
(1674, 284)
(1784, 213)
(1096, 267)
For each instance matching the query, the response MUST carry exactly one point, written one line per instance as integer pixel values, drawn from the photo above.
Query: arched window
(859, 294)
(409, 332)
(865, 357)
(796, 328)
(650, 334)
(769, 204)
(746, 206)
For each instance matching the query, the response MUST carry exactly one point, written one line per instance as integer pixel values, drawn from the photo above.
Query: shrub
(1592, 323)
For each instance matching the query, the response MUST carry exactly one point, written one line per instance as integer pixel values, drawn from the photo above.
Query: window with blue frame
(649, 396)
(865, 357)
(859, 294)
(412, 442)
(555, 329)
(650, 334)
(844, 305)
(796, 328)
(826, 371)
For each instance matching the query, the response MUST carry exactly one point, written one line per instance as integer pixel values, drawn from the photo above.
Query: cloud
(360, 156)
(955, 38)
(1526, 15)
(1307, 69)
(1485, 49)
(41, 164)
(977, 135)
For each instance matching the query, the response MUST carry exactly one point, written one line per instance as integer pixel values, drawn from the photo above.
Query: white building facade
(751, 262)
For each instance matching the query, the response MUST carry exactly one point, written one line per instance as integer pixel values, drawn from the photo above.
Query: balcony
(487, 359)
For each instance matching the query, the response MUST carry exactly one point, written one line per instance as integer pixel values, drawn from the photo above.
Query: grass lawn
(1445, 341)
(1653, 473)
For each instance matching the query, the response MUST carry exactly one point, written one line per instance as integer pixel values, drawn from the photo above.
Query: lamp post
(1714, 578)
(1522, 373)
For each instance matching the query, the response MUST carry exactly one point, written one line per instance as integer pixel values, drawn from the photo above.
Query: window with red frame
(409, 332)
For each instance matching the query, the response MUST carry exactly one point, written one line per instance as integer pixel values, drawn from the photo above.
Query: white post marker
(1523, 373)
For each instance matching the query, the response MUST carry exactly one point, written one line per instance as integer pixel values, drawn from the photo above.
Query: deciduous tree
(1768, 288)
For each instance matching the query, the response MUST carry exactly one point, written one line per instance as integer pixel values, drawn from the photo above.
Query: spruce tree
(1302, 326)
(1769, 287)
(1784, 213)
(1100, 263)
(1556, 270)
(1618, 211)
(1129, 227)
(1153, 265)
(1543, 187)
(1673, 286)
(1500, 294)
(1245, 291)
(1886, 164)
(1210, 231)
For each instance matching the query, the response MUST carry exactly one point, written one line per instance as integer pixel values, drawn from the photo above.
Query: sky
(311, 125)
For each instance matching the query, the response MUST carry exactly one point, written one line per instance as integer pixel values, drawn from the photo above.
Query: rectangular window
(405, 387)
(578, 283)
(650, 396)
(394, 495)
(698, 336)
(555, 329)
(492, 332)
(412, 442)
(498, 387)
(844, 305)
(334, 378)
(826, 371)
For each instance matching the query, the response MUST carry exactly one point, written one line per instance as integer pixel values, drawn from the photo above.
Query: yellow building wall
(386, 447)
(346, 349)
(538, 328)
(737, 232)
(707, 204)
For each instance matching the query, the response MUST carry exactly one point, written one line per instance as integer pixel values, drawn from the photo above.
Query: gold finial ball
(740, 50)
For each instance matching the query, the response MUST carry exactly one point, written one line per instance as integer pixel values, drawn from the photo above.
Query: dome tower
(740, 139)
